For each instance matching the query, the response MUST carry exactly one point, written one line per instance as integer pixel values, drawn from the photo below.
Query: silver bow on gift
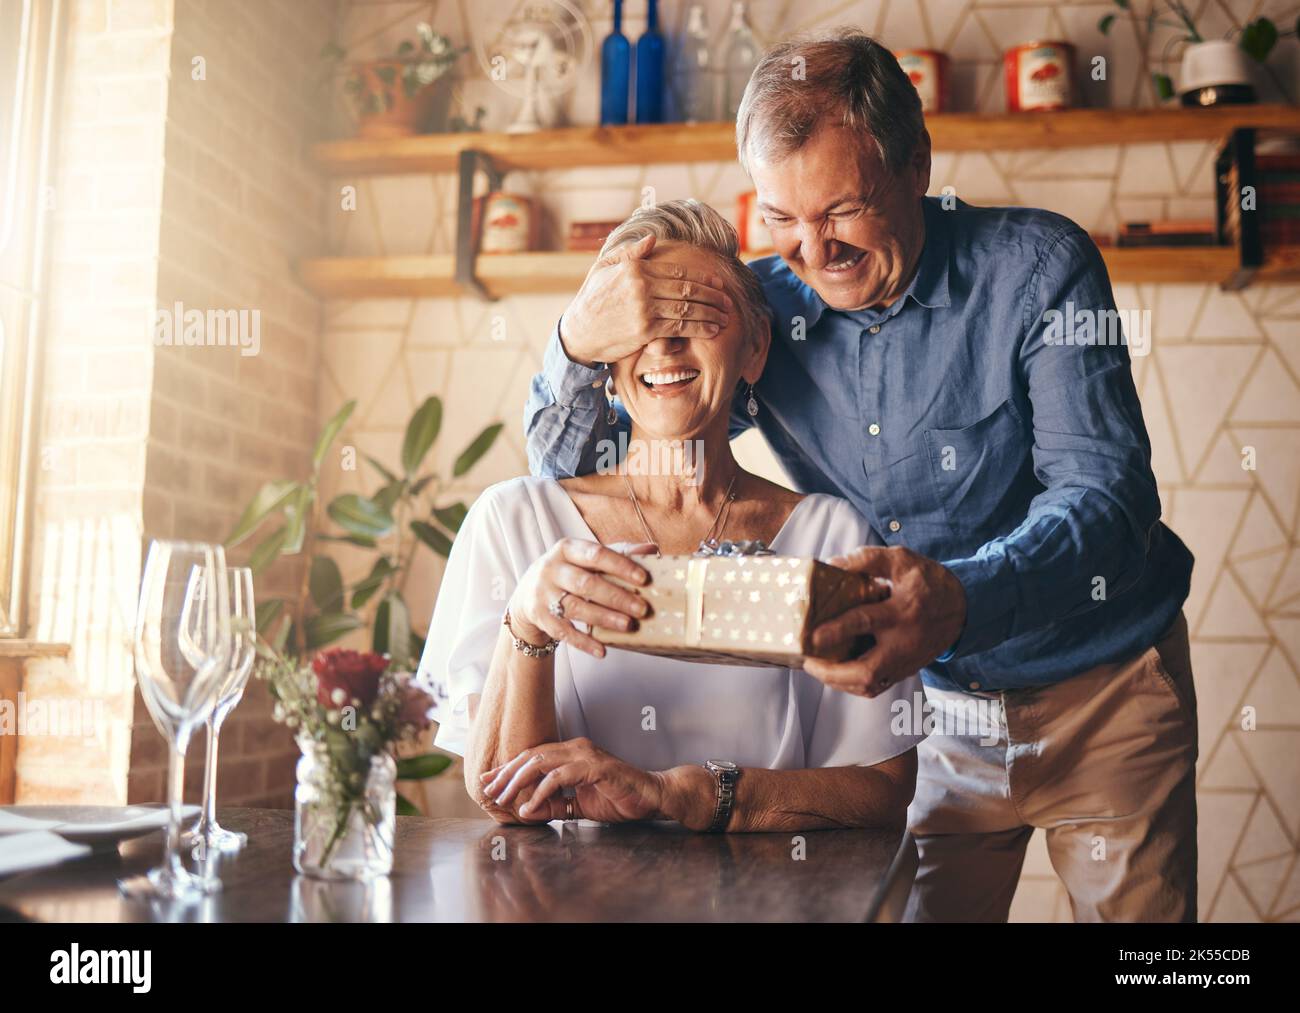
(727, 547)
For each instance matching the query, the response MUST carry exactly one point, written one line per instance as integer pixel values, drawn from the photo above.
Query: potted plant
(405, 95)
(408, 511)
(1212, 71)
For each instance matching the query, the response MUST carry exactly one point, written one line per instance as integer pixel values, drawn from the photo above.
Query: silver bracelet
(524, 647)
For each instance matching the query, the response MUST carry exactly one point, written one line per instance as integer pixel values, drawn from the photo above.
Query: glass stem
(210, 773)
(175, 790)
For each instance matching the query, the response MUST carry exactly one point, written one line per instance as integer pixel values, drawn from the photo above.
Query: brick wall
(240, 205)
(182, 178)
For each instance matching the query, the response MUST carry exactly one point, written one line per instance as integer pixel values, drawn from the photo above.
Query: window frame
(26, 173)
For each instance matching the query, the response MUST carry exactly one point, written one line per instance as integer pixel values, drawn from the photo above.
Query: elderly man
(919, 368)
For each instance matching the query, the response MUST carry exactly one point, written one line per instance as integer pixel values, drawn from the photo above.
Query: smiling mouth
(667, 381)
(845, 263)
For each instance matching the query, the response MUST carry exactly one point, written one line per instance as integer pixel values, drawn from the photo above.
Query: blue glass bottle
(615, 72)
(650, 69)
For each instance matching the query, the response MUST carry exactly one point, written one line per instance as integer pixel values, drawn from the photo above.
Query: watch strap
(725, 779)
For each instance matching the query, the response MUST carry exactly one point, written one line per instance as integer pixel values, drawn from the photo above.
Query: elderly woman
(552, 724)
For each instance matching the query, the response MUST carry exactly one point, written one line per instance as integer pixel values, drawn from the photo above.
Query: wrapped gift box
(740, 610)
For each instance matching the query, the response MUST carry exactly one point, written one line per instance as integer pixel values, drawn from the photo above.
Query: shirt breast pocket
(976, 468)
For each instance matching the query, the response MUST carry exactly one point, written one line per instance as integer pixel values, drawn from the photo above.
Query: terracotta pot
(424, 112)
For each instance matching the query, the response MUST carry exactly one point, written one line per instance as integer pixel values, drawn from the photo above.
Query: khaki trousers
(1104, 763)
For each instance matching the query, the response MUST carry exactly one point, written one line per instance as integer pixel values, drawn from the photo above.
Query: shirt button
(974, 685)
(895, 526)
(873, 329)
(873, 429)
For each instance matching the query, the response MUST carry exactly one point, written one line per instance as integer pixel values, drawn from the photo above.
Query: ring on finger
(570, 810)
(556, 608)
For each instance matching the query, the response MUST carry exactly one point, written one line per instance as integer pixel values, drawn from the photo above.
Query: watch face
(723, 765)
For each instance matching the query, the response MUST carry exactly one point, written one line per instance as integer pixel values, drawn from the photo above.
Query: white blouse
(653, 712)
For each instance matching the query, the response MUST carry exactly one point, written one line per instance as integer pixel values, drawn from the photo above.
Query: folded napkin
(35, 850)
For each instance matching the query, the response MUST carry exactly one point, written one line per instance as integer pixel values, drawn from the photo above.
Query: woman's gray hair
(698, 225)
(845, 77)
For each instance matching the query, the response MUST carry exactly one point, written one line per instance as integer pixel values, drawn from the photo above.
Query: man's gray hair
(846, 78)
(698, 225)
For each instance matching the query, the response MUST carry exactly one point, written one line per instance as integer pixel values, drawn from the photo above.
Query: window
(29, 37)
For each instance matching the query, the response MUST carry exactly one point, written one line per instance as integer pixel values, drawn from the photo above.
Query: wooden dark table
(477, 871)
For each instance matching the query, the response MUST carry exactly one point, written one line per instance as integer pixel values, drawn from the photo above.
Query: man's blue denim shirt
(970, 423)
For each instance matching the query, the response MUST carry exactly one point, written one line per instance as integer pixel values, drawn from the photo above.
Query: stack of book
(1166, 233)
(1278, 179)
(1277, 200)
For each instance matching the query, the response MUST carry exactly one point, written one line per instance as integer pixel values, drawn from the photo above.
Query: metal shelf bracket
(469, 162)
(1239, 151)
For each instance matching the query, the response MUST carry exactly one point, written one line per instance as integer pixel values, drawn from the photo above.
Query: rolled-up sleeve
(564, 418)
(1086, 535)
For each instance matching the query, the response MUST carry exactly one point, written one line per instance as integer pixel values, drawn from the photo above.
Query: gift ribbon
(696, 570)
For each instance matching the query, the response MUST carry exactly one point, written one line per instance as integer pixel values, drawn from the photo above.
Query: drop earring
(611, 415)
(751, 405)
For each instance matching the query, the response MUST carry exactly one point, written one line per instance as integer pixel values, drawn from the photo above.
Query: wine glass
(243, 650)
(182, 646)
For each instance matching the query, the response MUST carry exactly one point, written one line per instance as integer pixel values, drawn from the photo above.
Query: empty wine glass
(182, 647)
(243, 650)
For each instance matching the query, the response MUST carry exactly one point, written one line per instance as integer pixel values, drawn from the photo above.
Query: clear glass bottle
(695, 87)
(343, 832)
(739, 60)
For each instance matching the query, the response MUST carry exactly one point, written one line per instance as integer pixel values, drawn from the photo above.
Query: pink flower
(346, 677)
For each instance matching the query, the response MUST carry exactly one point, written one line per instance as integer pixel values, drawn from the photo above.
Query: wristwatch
(726, 774)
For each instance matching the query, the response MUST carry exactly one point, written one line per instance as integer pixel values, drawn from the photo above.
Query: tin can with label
(754, 237)
(505, 223)
(927, 69)
(1040, 75)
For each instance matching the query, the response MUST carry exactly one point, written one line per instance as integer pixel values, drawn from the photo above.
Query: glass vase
(343, 831)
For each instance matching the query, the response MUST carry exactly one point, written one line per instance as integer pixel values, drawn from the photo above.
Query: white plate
(36, 850)
(90, 824)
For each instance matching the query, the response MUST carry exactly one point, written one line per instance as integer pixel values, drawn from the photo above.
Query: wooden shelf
(433, 276)
(1207, 264)
(546, 149)
(1281, 265)
(32, 649)
(562, 273)
(715, 142)
(1075, 128)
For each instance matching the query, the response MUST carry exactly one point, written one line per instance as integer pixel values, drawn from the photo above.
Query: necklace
(719, 519)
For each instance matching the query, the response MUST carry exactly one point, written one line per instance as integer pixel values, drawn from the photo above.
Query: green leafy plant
(1257, 37)
(415, 66)
(408, 510)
